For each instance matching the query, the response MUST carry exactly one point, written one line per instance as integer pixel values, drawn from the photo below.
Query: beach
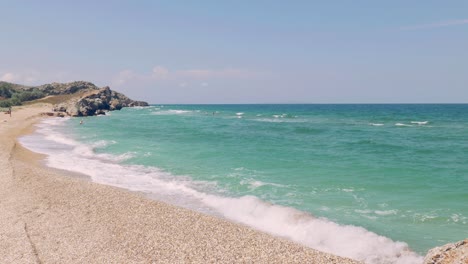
(48, 217)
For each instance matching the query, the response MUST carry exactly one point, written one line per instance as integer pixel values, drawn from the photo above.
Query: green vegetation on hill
(13, 94)
(77, 98)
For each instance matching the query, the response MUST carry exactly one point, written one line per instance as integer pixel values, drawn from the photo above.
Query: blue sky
(243, 51)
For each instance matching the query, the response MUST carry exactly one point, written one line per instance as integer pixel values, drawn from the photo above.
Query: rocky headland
(94, 101)
(78, 98)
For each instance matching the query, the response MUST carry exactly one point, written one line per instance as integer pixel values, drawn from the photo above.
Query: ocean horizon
(374, 182)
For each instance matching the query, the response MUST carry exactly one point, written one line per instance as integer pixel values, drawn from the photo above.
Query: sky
(184, 52)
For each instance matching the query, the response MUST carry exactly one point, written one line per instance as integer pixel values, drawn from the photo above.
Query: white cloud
(160, 72)
(436, 25)
(9, 77)
(29, 77)
(123, 77)
(34, 77)
(210, 74)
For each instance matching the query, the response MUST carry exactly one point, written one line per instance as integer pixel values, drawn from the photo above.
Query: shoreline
(51, 217)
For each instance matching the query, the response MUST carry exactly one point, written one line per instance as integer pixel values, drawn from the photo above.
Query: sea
(380, 183)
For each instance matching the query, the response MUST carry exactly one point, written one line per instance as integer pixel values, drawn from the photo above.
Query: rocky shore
(456, 253)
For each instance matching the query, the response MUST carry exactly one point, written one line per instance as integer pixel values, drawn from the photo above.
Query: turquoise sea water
(339, 178)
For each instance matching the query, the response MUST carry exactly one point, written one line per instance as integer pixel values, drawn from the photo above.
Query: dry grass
(55, 99)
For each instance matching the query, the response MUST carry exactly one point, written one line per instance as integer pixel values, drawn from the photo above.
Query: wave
(239, 115)
(103, 143)
(318, 233)
(402, 125)
(53, 142)
(420, 122)
(375, 124)
(279, 120)
(254, 184)
(284, 116)
(386, 212)
(459, 218)
(171, 112)
(377, 212)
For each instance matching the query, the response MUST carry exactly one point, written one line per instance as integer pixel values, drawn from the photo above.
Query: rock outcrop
(456, 253)
(77, 98)
(97, 102)
(66, 88)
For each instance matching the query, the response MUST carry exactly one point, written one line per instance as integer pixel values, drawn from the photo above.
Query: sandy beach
(47, 217)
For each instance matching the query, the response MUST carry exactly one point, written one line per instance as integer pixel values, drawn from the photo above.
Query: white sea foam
(138, 107)
(375, 124)
(171, 112)
(322, 234)
(319, 233)
(425, 217)
(55, 140)
(386, 212)
(367, 211)
(254, 184)
(420, 122)
(103, 143)
(371, 217)
(60, 139)
(280, 120)
(179, 111)
(402, 125)
(459, 218)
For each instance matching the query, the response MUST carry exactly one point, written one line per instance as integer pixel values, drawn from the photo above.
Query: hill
(77, 98)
